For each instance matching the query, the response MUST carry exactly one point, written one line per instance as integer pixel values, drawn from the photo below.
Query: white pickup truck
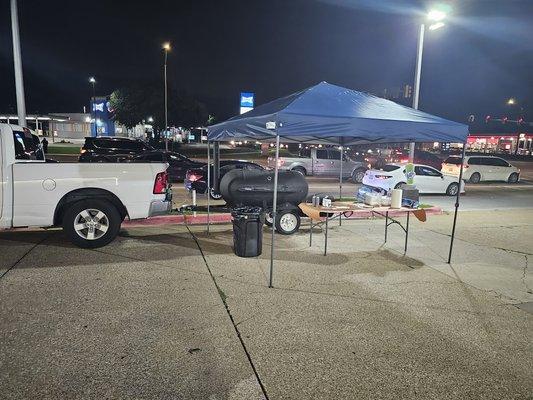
(89, 201)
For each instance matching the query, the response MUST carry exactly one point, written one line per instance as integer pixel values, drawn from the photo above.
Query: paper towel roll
(396, 198)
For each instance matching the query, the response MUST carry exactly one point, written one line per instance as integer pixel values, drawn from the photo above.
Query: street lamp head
(436, 26)
(92, 80)
(166, 46)
(511, 101)
(150, 119)
(436, 15)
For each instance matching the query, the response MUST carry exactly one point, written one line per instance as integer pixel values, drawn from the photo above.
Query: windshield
(453, 160)
(390, 168)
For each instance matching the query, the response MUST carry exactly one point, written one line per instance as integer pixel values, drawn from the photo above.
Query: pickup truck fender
(83, 194)
(296, 164)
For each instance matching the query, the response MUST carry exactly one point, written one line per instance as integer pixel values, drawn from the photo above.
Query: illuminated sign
(246, 102)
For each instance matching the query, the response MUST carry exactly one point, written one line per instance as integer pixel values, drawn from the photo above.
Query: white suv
(482, 168)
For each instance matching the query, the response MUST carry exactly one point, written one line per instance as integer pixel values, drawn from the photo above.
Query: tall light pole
(166, 48)
(17, 61)
(92, 81)
(436, 17)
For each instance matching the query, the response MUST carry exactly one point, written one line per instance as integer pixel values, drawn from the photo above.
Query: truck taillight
(161, 183)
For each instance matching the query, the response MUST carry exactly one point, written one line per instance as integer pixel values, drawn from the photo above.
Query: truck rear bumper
(160, 207)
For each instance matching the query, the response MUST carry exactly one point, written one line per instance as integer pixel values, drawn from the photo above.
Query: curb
(201, 219)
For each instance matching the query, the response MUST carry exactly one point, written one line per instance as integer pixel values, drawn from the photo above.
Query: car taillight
(465, 166)
(193, 177)
(161, 183)
(404, 160)
(281, 162)
(382, 176)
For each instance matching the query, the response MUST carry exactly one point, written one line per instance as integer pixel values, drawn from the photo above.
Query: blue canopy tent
(330, 114)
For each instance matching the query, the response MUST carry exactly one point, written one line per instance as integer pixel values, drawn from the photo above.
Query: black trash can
(247, 231)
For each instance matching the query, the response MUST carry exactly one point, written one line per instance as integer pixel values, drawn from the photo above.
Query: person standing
(44, 143)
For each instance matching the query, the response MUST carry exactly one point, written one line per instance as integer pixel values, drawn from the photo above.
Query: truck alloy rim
(453, 190)
(288, 222)
(91, 224)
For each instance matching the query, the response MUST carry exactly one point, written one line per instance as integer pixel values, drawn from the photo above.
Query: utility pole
(17, 60)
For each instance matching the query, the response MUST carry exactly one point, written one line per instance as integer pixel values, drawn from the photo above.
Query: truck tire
(268, 219)
(358, 175)
(287, 222)
(301, 170)
(91, 223)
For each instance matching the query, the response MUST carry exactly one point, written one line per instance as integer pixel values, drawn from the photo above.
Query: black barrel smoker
(249, 193)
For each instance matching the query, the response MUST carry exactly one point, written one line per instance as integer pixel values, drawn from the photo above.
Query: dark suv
(111, 149)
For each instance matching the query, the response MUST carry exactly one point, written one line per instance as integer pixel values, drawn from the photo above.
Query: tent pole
(274, 204)
(457, 197)
(340, 179)
(340, 173)
(208, 182)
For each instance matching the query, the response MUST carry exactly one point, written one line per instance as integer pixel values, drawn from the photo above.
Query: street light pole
(416, 89)
(17, 61)
(92, 81)
(166, 48)
(436, 16)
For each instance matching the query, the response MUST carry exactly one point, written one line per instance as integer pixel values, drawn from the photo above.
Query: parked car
(420, 157)
(482, 168)
(427, 179)
(111, 149)
(197, 178)
(89, 201)
(322, 162)
(178, 163)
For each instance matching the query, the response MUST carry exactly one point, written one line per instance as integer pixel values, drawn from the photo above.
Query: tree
(135, 103)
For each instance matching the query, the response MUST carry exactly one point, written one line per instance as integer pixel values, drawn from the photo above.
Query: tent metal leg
(274, 206)
(208, 183)
(457, 199)
(340, 181)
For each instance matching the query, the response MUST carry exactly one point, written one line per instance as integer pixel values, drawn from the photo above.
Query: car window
(305, 153)
(227, 168)
(153, 157)
(334, 155)
(453, 160)
(499, 162)
(177, 157)
(426, 171)
(27, 146)
(475, 161)
(322, 154)
(254, 167)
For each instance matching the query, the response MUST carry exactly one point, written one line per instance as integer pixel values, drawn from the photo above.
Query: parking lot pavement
(143, 318)
(366, 322)
(140, 318)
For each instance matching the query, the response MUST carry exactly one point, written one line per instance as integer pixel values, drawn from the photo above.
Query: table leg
(406, 233)
(326, 238)
(386, 225)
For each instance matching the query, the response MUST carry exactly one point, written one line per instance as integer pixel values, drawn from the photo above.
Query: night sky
(473, 65)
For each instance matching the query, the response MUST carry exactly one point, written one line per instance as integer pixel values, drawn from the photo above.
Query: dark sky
(482, 57)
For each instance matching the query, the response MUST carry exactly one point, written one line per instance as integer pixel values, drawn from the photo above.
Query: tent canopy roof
(327, 113)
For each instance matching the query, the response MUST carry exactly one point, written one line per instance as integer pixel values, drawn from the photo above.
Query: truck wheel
(91, 223)
(287, 222)
(301, 170)
(358, 175)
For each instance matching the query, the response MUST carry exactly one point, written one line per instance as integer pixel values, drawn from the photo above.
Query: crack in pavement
(524, 275)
